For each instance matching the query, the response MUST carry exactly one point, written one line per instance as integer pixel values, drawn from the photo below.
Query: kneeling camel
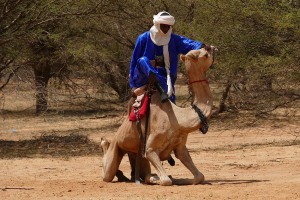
(169, 126)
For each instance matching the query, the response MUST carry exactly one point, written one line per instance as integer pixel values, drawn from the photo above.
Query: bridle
(199, 81)
(213, 60)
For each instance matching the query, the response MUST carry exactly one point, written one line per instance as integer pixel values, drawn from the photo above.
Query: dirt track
(260, 162)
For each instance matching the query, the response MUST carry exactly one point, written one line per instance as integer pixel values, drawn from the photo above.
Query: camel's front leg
(111, 159)
(183, 155)
(155, 161)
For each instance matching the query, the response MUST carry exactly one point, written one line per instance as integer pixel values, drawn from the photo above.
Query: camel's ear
(182, 57)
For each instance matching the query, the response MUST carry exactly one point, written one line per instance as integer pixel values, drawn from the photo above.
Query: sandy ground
(257, 161)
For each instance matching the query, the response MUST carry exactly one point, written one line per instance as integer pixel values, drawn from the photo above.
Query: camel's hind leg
(111, 159)
(183, 155)
(145, 168)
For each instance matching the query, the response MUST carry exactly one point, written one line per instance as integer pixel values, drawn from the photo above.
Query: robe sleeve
(184, 45)
(137, 53)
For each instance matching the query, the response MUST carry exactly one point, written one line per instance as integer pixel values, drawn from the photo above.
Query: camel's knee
(108, 177)
(166, 181)
(108, 173)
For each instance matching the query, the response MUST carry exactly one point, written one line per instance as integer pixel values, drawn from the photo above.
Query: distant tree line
(73, 41)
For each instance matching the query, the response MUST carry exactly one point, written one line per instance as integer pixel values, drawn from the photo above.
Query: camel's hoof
(104, 144)
(152, 179)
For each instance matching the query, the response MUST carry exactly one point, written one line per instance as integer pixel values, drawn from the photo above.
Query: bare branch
(7, 81)
(11, 23)
(6, 10)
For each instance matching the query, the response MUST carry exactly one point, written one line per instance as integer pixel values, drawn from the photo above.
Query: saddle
(139, 108)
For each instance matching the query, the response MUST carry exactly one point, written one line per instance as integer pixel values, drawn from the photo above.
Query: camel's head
(198, 61)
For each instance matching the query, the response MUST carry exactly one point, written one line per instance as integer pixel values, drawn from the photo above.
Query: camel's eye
(194, 57)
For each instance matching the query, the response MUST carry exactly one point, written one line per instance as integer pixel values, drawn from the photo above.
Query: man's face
(165, 28)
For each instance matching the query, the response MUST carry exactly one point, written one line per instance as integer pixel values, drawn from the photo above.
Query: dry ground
(241, 159)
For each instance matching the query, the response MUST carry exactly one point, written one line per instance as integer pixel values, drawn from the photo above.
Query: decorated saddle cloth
(139, 108)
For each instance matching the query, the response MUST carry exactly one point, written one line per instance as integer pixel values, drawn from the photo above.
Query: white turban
(158, 37)
(163, 18)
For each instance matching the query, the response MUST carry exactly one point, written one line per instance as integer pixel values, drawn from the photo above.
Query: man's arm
(184, 44)
(135, 56)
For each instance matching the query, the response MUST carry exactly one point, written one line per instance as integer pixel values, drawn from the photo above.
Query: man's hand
(132, 94)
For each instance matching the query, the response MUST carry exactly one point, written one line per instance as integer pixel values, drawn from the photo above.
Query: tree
(93, 40)
(259, 47)
(37, 34)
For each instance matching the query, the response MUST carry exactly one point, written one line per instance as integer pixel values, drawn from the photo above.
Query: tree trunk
(41, 82)
(117, 82)
(222, 106)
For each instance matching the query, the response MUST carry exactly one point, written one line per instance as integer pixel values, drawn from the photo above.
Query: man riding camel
(156, 52)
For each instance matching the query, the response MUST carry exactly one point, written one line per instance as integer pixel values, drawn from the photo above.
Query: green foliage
(259, 44)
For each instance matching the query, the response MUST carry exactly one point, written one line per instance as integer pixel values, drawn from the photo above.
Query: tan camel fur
(169, 126)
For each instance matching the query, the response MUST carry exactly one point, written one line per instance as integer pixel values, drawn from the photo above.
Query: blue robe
(145, 50)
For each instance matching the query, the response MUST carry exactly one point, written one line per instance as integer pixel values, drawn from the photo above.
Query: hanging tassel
(169, 83)
(167, 66)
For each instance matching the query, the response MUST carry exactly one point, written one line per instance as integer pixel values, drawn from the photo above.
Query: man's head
(164, 28)
(164, 20)
(161, 31)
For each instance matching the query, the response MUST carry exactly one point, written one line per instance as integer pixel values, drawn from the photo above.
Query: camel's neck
(203, 100)
(202, 97)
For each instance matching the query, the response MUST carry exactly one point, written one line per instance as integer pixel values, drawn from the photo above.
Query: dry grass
(72, 130)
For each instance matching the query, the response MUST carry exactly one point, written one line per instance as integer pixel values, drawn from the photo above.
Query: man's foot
(163, 95)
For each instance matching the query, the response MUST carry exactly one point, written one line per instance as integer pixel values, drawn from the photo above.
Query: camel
(169, 126)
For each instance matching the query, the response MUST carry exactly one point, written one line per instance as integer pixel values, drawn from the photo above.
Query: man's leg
(145, 73)
(142, 71)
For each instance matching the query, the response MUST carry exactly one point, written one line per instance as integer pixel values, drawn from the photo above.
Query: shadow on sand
(215, 182)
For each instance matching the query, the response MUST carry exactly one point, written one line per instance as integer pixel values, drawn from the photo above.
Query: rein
(199, 81)
(203, 119)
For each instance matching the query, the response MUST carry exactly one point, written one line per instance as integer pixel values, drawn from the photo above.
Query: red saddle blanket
(141, 111)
